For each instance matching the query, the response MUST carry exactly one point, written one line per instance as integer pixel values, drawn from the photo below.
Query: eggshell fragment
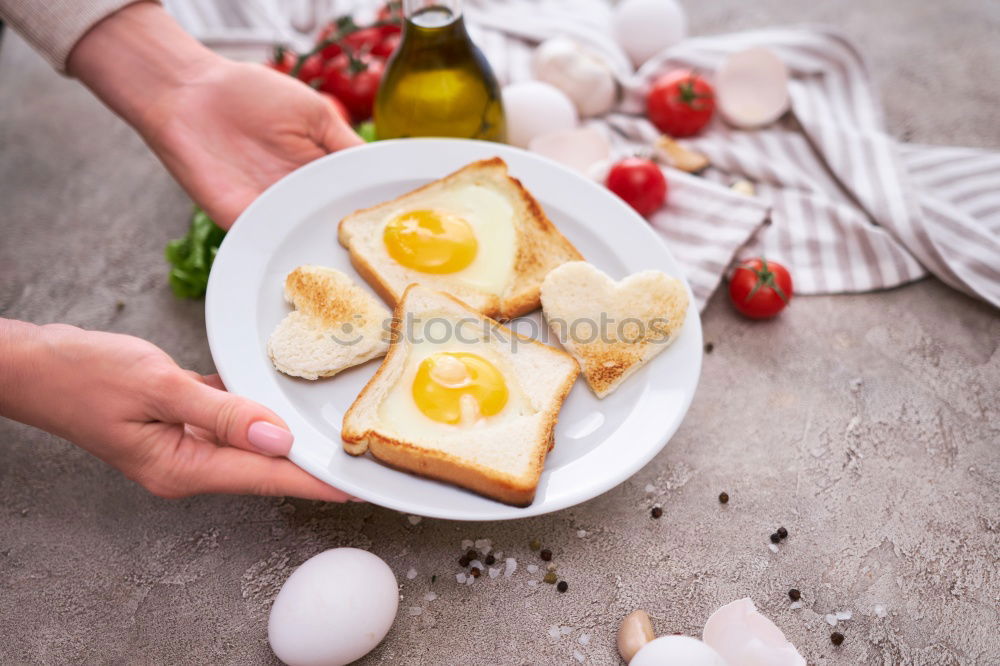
(633, 633)
(578, 149)
(534, 108)
(677, 651)
(744, 637)
(644, 28)
(333, 609)
(751, 88)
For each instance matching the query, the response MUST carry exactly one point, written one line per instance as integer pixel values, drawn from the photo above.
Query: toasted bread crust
(440, 465)
(541, 247)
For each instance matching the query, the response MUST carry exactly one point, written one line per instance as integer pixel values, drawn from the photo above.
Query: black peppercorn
(709, 347)
(562, 586)
(794, 594)
(836, 638)
(475, 572)
(656, 512)
(471, 555)
(490, 560)
(782, 532)
(463, 561)
(723, 498)
(546, 554)
(775, 538)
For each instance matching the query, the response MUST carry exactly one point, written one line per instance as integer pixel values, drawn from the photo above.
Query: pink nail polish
(270, 439)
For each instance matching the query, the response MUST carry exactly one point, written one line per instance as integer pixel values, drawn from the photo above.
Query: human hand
(225, 130)
(173, 431)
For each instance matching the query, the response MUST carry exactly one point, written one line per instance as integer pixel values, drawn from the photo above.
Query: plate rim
(502, 511)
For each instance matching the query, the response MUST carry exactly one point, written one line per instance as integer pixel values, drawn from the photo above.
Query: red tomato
(330, 51)
(338, 106)
(282, 59)
(760, 289)
(385, 48)
(640, 183)
(390, 30)
(354, 81)
(391, 11)
(312, 70)
(680, 103)
(363, 40)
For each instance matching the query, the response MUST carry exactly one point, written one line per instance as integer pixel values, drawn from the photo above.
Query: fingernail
(352, 498)
(270, 439)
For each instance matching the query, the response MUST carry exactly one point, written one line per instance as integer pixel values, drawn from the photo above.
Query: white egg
(676, 651)
(490, 216)
(533, 108)
(333, 609)
(744, 637)
(643, 28)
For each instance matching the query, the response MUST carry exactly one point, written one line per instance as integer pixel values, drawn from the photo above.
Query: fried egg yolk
(431, 241)
(458, 388)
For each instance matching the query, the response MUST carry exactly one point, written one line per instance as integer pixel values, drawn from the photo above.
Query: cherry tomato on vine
(680, 103)
(282, 59)
(363, 40)
(640, 183)
(330, 51)
(388, 44)
(760, 289)
(312, 70)
(354, 81)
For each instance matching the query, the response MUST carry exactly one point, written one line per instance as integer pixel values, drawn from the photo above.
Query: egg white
(400, 413)
(491, 218)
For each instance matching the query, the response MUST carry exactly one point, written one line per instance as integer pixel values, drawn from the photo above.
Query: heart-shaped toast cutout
(612, 328)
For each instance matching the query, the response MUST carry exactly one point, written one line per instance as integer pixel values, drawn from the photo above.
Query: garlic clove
(634, 632)
(744, 187)
(583, 75)
(679, 157)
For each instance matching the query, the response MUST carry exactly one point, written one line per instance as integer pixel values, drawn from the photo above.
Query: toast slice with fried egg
(476, 234)
(612, 328)
(336, 324)
(461, 399)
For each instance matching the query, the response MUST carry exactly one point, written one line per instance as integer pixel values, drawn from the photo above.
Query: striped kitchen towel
(838, 201)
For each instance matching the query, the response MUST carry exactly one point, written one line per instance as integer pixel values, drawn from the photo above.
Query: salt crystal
(477, 564)
(460, 578)
(532, 568)
(415, 610)
(414, 519)
(484, 545)
(650, 488)
(795, 605)
(566, 631)
(510, 568)
(831, 619)
(581, 533)
(773, 547)
(411, 574)
(578, 656)
(880, 610)
(467, 544)
(584, 639)
(470, 580)
(553, 632)
(498, 554)
(494, 572)
(844, 615)
(551, 566)
(430, 596)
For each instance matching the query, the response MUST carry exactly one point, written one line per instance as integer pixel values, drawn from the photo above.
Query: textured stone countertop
(868, 425)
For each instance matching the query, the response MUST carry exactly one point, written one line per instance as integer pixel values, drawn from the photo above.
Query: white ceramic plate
(599, 443)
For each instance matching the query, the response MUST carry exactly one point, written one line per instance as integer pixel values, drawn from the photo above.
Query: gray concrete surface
(867, 425)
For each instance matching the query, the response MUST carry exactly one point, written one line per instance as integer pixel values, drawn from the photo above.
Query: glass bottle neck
(441, 11)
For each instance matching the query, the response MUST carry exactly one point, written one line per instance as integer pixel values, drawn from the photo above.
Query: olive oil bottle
(438, 83)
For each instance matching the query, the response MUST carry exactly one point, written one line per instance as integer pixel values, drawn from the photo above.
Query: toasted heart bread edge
(522, 299)
(516, 491)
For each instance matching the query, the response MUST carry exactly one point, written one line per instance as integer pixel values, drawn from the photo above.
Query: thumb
(233, 420)
(337, 134)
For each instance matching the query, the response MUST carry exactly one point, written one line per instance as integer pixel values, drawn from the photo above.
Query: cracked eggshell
(333, 609)
(582, 75)
(744, 637)
(578, 149)
(534, 108)
(677, 651)
(751, 88)
(643, 28)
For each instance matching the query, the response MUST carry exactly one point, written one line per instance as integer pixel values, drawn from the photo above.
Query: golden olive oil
(438, 83)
